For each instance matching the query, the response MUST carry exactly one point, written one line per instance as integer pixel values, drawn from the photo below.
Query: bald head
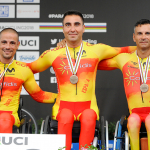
(10, 30)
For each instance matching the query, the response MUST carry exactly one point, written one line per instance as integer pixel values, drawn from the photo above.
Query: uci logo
(16, 140)
(26, 42)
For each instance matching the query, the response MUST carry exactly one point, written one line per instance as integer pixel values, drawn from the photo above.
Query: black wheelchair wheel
(47, 125)
(102, 133)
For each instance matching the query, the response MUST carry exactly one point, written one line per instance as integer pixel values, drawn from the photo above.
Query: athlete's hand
(62, 43)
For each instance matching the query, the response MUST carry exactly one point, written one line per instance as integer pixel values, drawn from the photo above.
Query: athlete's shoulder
(21, 65)
(96, 46)
(123, 58)
(131, 54)
(52, 51)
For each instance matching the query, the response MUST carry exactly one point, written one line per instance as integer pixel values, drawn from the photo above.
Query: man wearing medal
(11, 82)
(136, 74)
(76, 73)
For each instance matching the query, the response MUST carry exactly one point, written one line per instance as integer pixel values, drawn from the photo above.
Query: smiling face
(8, 46)
(142, 37)
(73, 30)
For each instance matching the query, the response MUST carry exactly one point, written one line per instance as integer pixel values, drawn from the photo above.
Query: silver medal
(73, 79)
(144, 87)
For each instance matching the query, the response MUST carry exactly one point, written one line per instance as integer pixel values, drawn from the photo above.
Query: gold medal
(144, 87)
(73, 79)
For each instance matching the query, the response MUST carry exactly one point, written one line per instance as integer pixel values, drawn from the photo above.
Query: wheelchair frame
(47, 127)
(26, 124)
(121, 139)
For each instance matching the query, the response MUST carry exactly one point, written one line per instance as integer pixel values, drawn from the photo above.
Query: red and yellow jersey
(128, 64)
(80, 96)
(17, 75)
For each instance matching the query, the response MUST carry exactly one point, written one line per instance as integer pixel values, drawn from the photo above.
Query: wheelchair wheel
(115, 136)
(102, 133)
(47, 125)
(42, 127)
(23, 127)
(27, 127)
(126, 141)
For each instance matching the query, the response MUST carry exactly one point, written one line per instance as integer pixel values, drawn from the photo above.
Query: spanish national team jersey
(80, 96)
(138, 101)
(17, 75)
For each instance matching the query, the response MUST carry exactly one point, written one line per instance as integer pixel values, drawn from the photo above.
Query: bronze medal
(73, 79)
(144, 87)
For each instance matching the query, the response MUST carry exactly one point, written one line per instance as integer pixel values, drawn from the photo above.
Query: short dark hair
(141, 22)
(72, 12)
(10, 30)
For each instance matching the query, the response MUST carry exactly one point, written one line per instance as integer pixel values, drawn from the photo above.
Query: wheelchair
(27, 120)
(50, 126)
(121, 137)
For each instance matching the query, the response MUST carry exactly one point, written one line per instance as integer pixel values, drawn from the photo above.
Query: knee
(88, 115)
(147, 122)
(65, 116)
(134, 121)
(6, 117)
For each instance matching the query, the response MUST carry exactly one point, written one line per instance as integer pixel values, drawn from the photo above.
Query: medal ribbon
(74, 68)
(142, 72)
(2, 74)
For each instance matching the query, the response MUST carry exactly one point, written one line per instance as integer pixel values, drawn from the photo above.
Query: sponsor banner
(29, 43)
(54, 41)
(50, 27)
(85, 16)
(32, 141)
(7, 11)
(91, 41)
(53, 80)
(24, 92)
(7, 1)
(28, 11)
(28, 1)
(26, 56)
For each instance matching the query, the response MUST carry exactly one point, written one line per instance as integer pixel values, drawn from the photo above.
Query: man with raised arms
(75, 67)
(136, 76)
(11, 82)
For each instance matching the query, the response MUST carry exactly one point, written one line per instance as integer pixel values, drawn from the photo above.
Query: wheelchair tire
(23, 128)
(47, 125)
(102, 133)
(33, 119)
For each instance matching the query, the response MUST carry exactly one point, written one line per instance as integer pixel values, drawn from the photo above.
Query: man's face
(73, 28)
(8, 44)
(142, 36)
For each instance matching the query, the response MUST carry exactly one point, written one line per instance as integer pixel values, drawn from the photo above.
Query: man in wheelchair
(14, 74)
(75, 68)
(136, 74)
